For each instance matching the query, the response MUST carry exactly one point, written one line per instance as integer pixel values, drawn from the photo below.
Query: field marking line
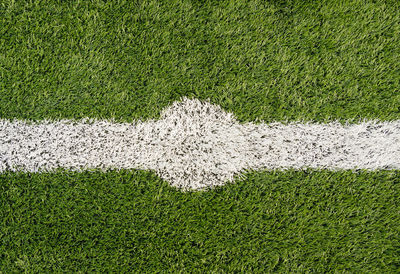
(196, 145)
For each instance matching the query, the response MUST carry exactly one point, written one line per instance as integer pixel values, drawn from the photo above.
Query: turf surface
(288, 60)
(269, 60)
(285, 221)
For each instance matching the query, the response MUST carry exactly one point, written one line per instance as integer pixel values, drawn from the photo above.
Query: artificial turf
(118, 221)
(268, 60)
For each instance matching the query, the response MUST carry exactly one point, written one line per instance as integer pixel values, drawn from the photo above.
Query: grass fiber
(262, 60)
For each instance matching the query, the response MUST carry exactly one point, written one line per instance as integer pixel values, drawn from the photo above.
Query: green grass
(288, 60)
(268, 60)
(284, 221)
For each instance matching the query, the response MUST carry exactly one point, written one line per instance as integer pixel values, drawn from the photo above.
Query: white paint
(196, 145)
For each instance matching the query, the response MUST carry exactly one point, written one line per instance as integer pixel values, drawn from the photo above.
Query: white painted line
(196, 145)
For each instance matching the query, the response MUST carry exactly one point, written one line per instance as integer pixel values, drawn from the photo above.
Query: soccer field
(262, 61)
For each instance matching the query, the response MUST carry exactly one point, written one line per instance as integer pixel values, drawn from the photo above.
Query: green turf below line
(269, 60)
(277, 221)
